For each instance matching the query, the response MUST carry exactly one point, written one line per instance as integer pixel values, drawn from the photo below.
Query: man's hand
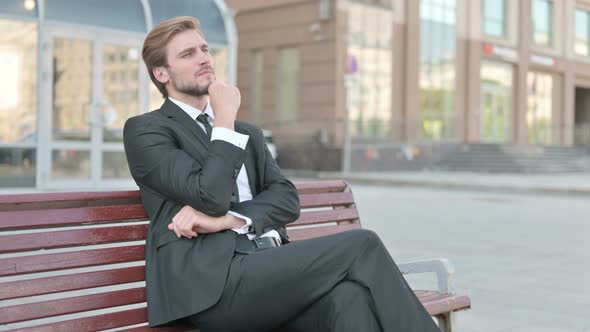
(225, 101)
(190, 223)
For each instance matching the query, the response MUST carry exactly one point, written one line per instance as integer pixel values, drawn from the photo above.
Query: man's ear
(161, 74)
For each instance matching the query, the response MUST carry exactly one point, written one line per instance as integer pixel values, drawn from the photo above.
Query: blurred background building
(364, 85)
(353, 85)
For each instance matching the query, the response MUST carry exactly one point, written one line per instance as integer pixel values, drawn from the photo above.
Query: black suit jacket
(174, 164)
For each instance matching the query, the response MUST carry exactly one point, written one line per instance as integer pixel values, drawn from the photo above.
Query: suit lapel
(249, 160)
(173, 111)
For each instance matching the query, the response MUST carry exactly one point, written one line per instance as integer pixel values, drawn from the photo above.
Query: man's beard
(195, 90)
(191, 89)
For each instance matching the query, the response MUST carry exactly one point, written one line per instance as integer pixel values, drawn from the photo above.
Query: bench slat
(302, 187)
(13, 220)
(311, 232)
(58, 239)
(63, 283)
(321, 200)
(94, 323)
(431, 296)
(441, 303)
(71, 305)
(320, 217)
(317, 187)
(69, 196)
(66, 260)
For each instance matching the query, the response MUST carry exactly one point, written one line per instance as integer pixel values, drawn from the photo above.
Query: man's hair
(154, 46)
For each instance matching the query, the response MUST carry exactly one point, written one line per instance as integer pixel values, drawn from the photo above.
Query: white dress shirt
(239, 140)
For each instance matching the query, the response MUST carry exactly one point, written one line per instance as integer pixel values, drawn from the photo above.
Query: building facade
(326, 75)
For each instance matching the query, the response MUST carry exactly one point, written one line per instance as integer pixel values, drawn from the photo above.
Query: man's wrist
(233, 222)
(225, 123)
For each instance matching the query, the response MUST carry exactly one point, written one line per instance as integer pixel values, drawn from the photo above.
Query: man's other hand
(189, 223)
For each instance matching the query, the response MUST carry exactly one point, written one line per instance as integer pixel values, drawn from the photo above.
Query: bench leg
(444, 322)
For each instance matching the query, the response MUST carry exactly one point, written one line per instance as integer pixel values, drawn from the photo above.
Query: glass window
(18, 103)
(72, 89)
(18, 65)
(370, 42)
(542, 19)
(17, 167)
(116, 14)
(539, 107)
(119, 96)
(582, 32)
(114, 165)
(494, 18)
(257, 63)
(288, 85)
(495, 115)
(437, 68)
(207, 12)
(70, 164)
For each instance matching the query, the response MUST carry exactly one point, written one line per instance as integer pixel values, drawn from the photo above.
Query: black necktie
(204, 119)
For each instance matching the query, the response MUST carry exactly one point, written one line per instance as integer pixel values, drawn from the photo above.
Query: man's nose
(204, 58)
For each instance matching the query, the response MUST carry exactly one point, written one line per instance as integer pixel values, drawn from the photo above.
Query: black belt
(245, 245)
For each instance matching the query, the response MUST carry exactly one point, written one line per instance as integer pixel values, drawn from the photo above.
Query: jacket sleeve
(157, 163)
(278, 202)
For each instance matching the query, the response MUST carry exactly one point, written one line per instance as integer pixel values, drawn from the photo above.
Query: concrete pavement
(552, 184)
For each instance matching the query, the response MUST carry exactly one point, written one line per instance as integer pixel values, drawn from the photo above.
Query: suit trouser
(347, 307)
(279, 286)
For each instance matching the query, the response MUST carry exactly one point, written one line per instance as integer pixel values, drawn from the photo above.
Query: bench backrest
(65, 257)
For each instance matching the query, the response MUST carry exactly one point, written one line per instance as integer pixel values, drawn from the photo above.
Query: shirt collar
(193, 112)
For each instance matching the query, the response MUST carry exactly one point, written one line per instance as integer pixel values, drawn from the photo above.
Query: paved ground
(523, 259)
(552, 184)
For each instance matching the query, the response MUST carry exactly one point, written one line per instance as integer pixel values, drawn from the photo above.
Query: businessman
(217, 254)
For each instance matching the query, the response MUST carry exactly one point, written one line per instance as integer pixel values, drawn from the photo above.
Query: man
(217, 253)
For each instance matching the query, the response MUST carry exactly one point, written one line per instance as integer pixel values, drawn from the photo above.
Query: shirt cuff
(244, 229)
(230, 136)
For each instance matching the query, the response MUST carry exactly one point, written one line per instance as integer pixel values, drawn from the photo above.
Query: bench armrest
(443, 268)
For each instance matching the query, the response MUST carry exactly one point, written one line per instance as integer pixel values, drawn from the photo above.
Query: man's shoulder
(251, 128)
(144, 118)
(137, 124)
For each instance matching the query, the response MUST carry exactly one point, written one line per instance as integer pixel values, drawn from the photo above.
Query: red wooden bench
(74, 261)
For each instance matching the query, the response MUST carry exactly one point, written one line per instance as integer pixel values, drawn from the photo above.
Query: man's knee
(369, 235)
(365, 238)
(351, 308)
(347, 307)
(347, 296)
